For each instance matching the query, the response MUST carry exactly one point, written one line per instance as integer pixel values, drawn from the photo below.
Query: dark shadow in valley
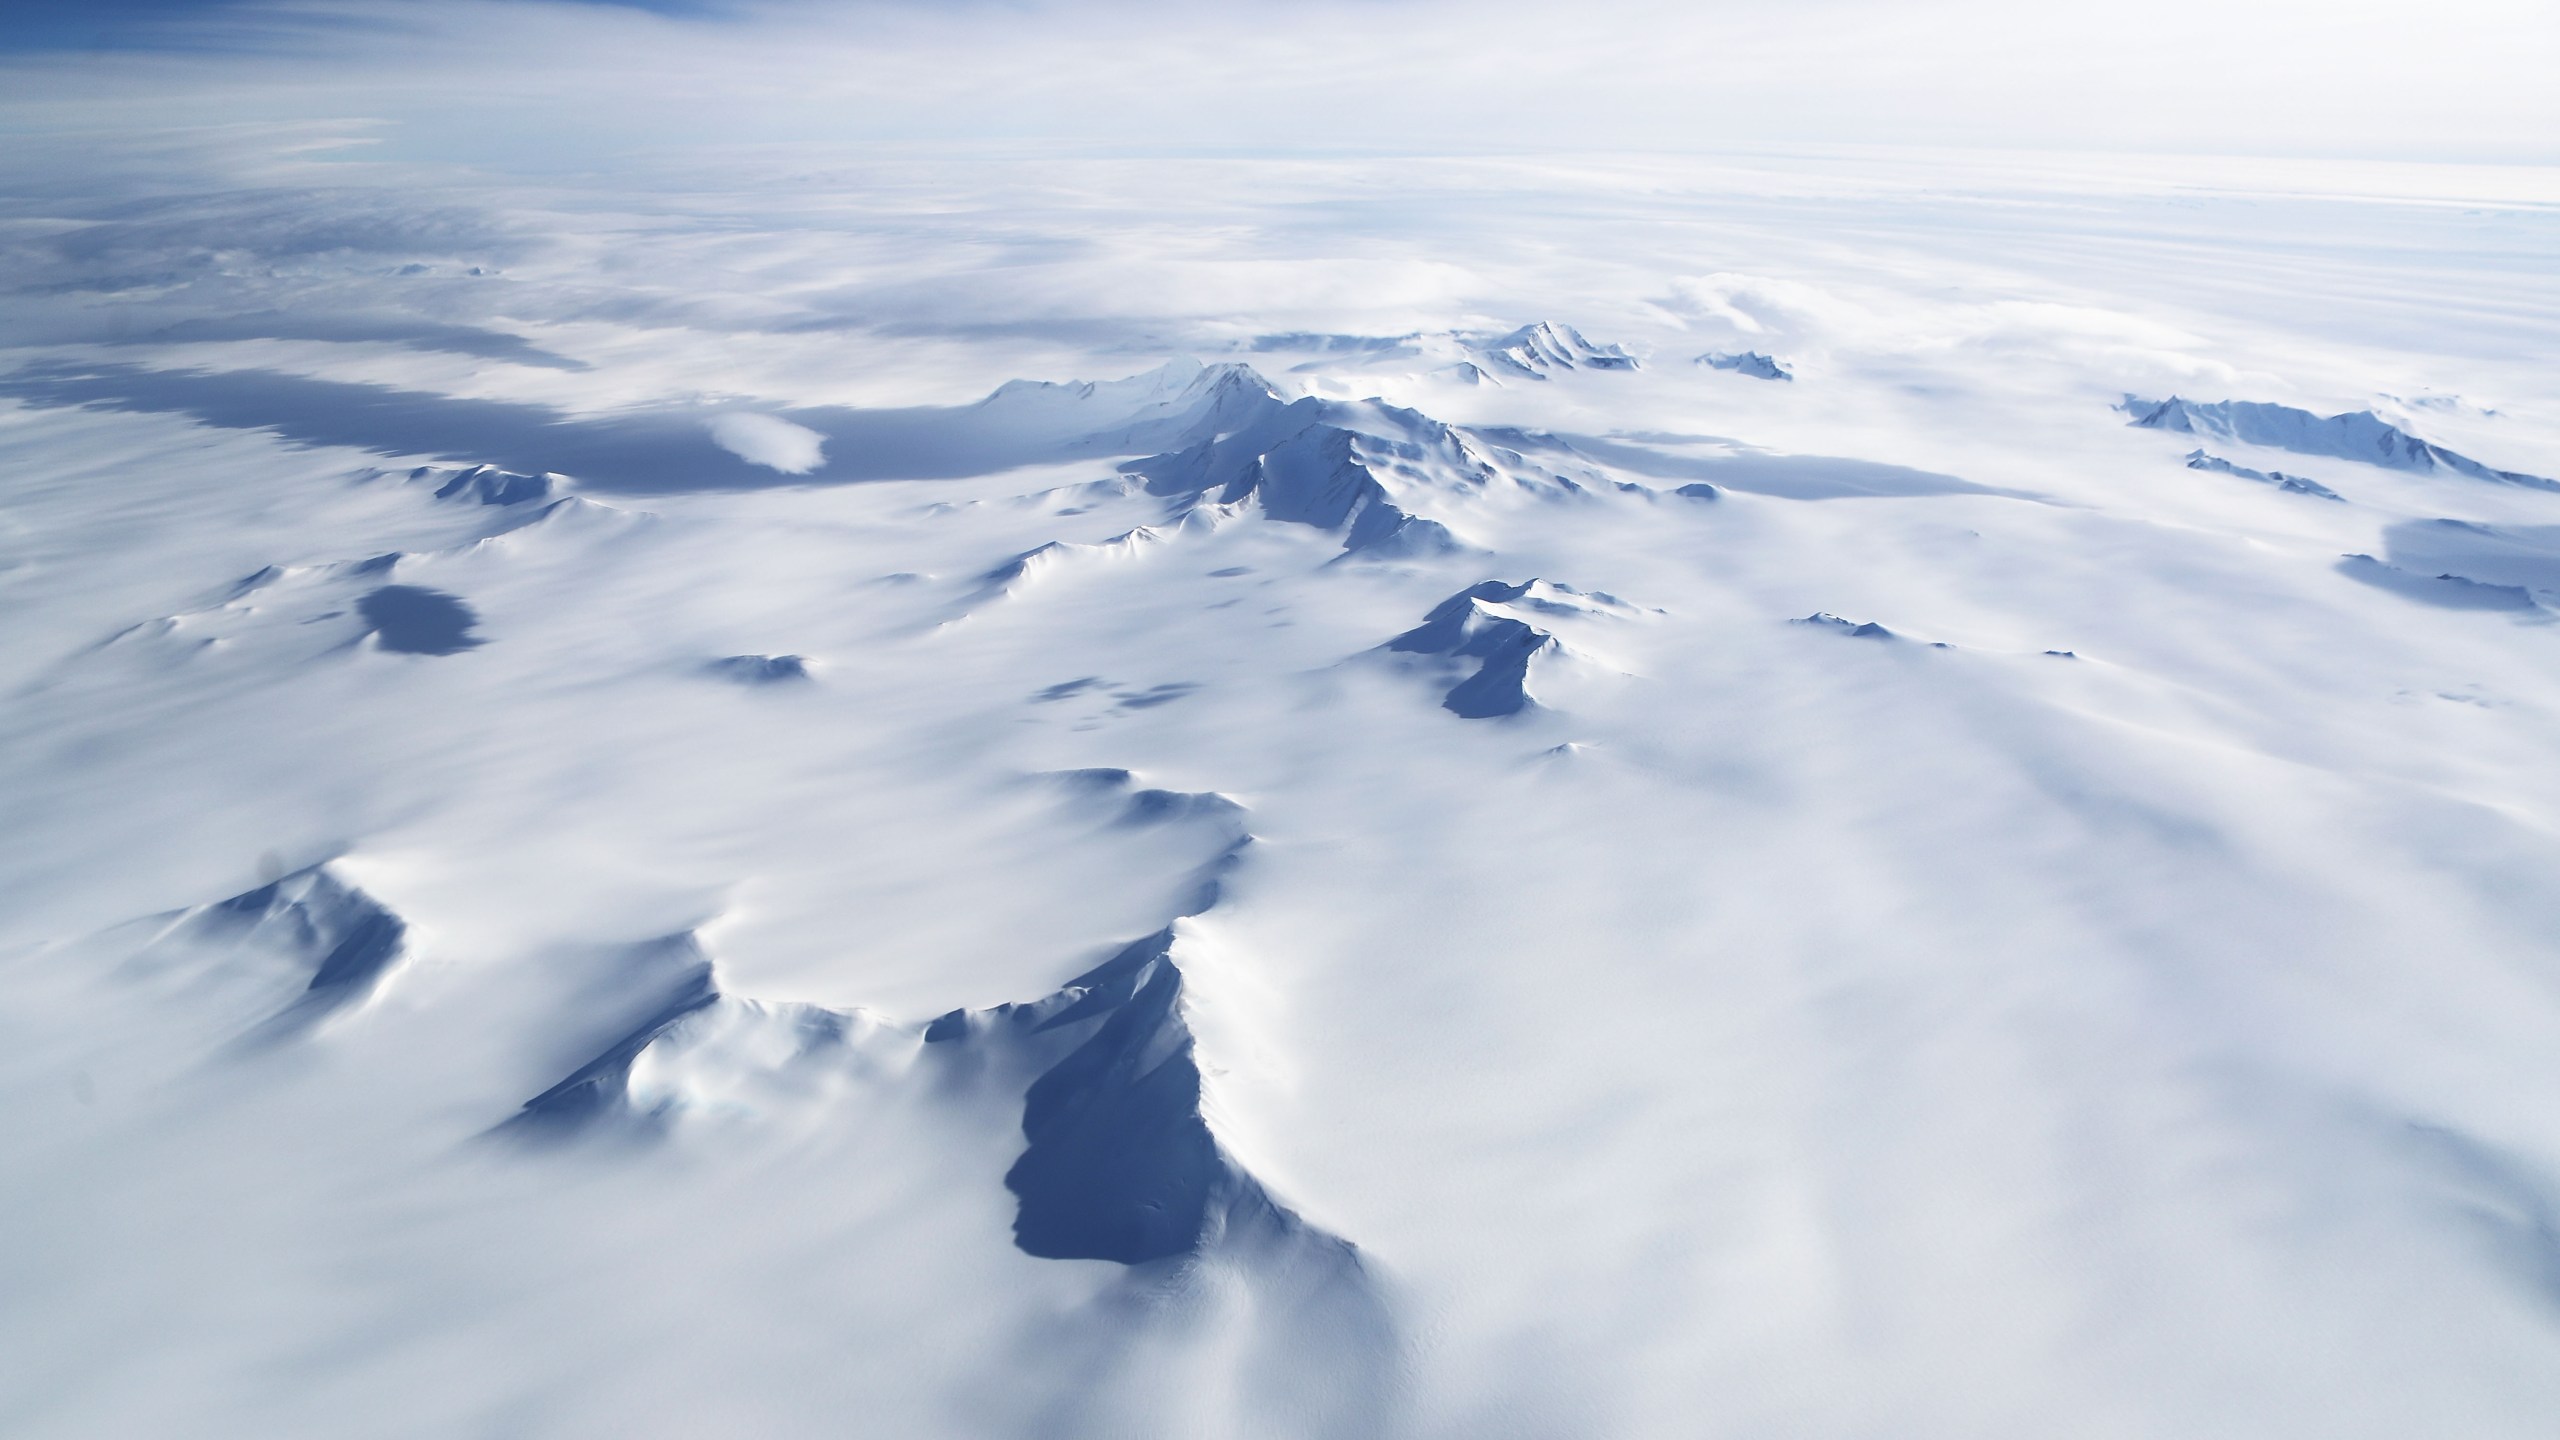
(414, 620)
(1788, 477)
(410, 334)
(2446, 591)
(660, 451)
(2526, 556)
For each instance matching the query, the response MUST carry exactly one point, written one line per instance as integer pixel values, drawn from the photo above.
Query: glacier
(795, 789)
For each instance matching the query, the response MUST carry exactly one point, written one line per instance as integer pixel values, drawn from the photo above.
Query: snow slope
(1304, 896)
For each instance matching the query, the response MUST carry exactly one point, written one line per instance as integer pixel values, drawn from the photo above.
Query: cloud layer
(566, 82)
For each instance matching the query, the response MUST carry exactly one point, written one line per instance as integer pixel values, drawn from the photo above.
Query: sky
(543, 82)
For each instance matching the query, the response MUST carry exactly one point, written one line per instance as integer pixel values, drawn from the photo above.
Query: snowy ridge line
(1537, 351)
(2294, 484)
(1354, 468)
(1870, 630)
(2353, 435)
(401, 617)
(1045, 559)
(758, 670)
(1227, 440)
(230, 598)
(485, 485)
(301, 950)
(1224, 441)
(1159, 409)
(1299, 465)
(2523, 556)
(1474, 625)
(1119, 1161)
(352, 941)
(600, 1089)
(481, 484)
(1746, 362)
(2446, 590)
(1855, 629)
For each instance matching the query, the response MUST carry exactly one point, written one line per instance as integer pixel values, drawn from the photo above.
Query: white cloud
(1762, 305)
(2246, 76)
(766, 440)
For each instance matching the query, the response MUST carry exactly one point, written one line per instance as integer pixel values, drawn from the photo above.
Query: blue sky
(180, 25)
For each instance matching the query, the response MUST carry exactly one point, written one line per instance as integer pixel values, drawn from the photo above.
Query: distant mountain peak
(1538, 350)
(2357, 435)
(1746, 362)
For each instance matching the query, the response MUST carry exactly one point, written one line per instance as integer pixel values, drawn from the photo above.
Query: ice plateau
(801, 794)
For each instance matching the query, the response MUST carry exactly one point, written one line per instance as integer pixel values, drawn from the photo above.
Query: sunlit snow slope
(1281, 837)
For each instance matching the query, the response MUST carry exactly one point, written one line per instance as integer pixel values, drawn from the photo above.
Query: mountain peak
(1538, 350)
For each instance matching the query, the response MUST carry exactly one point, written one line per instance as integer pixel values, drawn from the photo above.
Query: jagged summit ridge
(1220, 437)
(1304, 463)
(1746, 362)
(1030, 565)
(2354, 435)
(1173, 405)
(487, 484)
(314, 930)
(1118, 1162)
(1359, 468)
(1462, 628)
(1856, 629)
(599, 1091)
(1476, 624)
(2293, 484)
(1538, 351)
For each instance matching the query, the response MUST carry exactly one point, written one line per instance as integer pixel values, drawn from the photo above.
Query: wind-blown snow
(782, 793)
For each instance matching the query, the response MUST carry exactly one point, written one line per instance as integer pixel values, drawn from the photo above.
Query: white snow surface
(2119, 996)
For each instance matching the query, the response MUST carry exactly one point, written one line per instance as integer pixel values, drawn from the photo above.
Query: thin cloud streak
(573, 84)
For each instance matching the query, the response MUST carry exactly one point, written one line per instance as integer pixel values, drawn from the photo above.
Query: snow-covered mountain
(2361, 435)
(1363, 871)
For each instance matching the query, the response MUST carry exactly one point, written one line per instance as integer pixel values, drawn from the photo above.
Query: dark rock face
(680, 975)
(760, 669)
(1746, 362)
(489, 485)
(351, 941)
(1825, 620)
(1303, 466)
(2357, 435)
(2292, 484)
(1461, 629)
(356, 937)
(1118, 1165)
